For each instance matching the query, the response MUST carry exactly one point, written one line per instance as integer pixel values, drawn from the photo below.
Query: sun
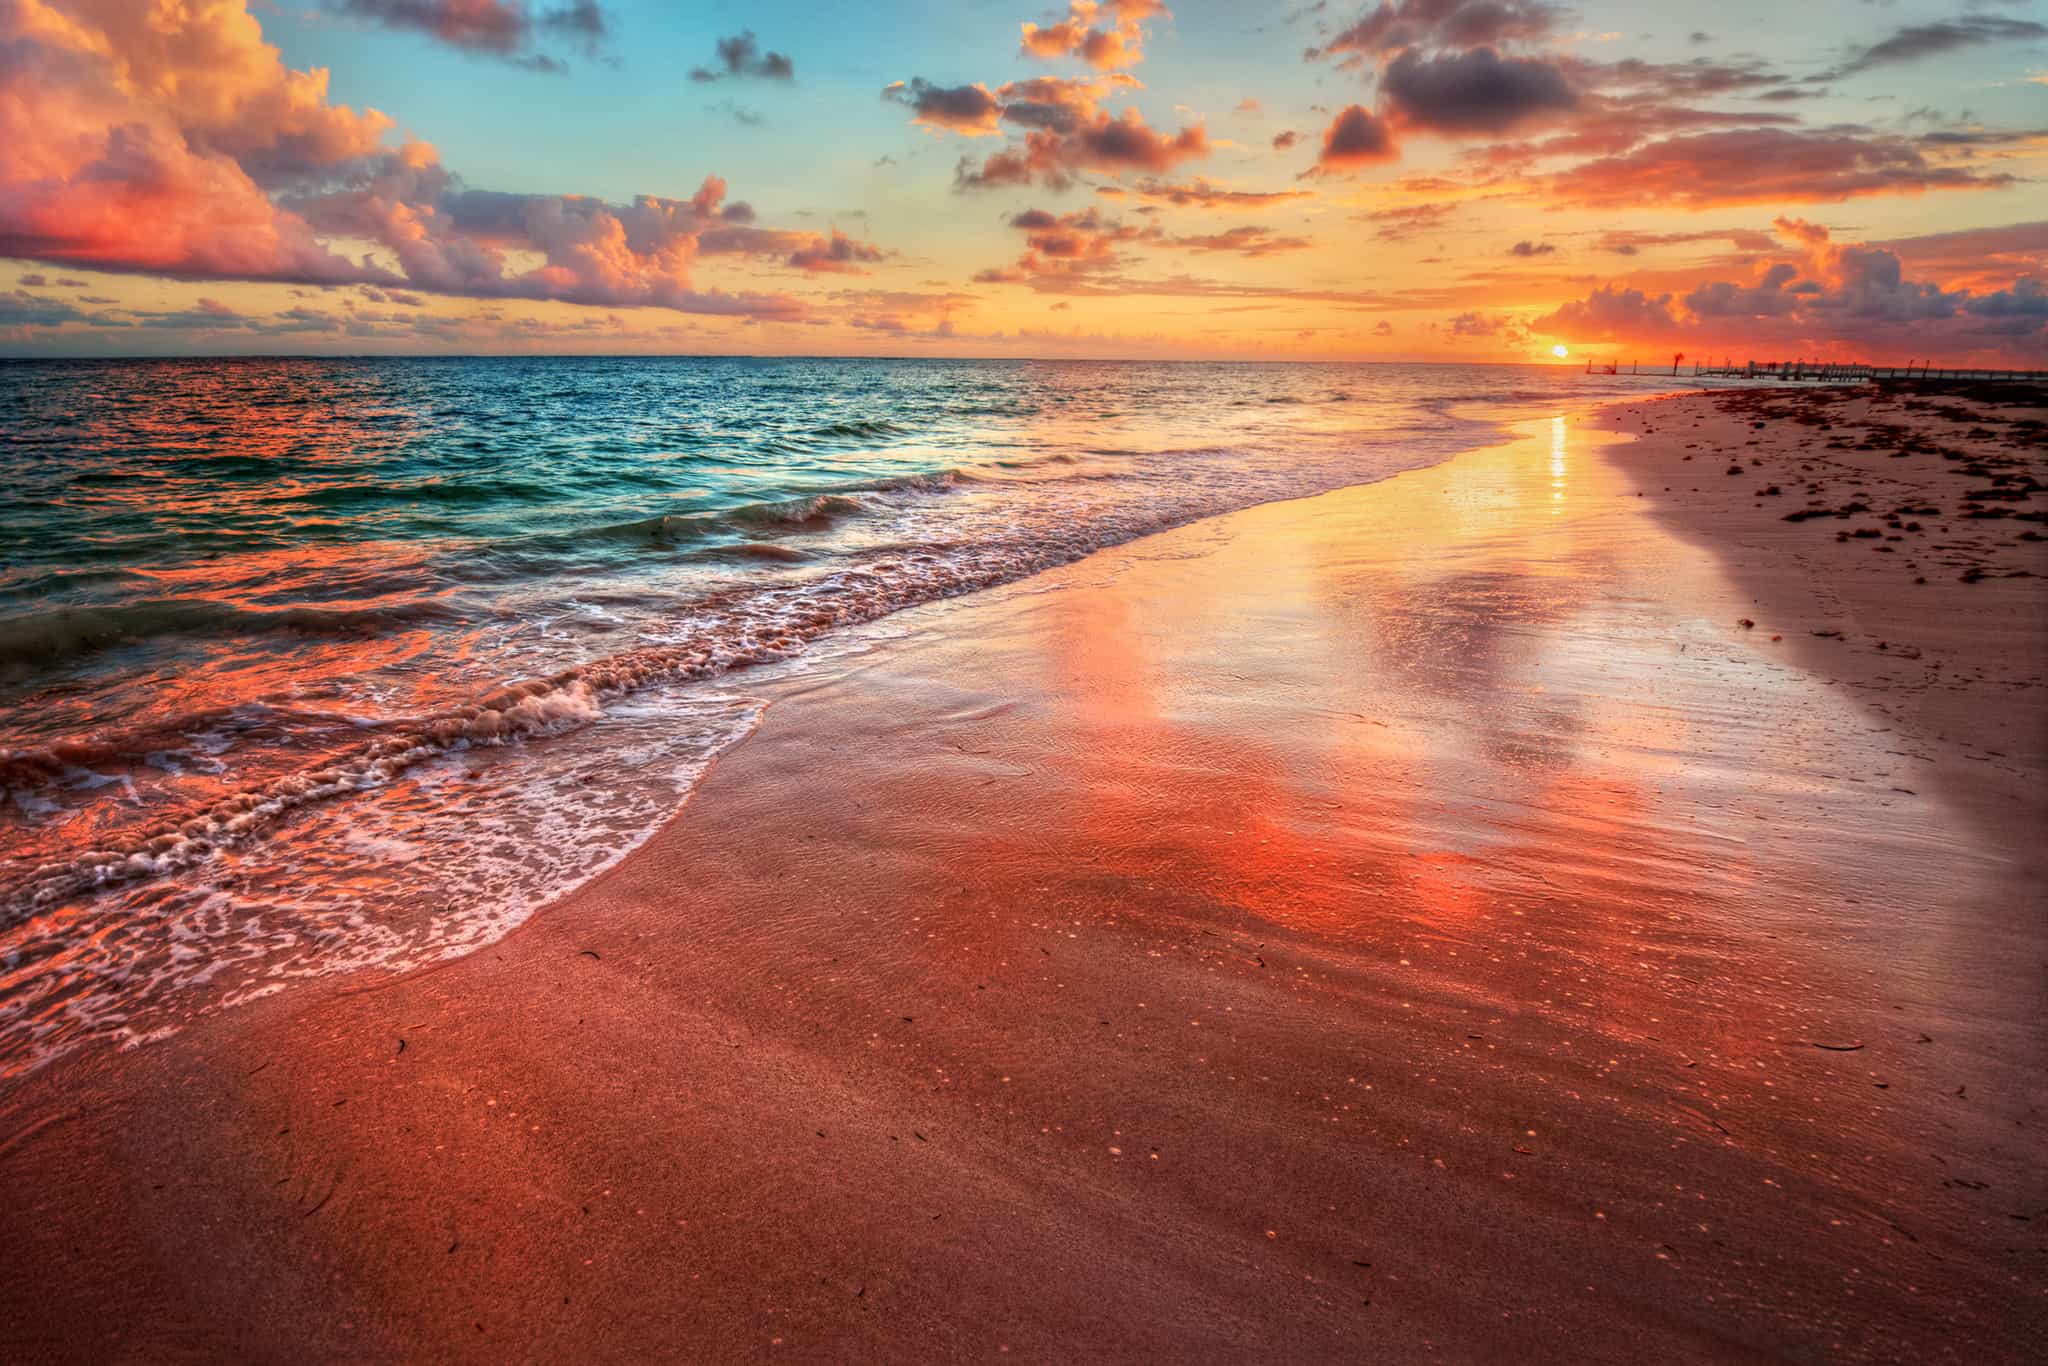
(1559, 351)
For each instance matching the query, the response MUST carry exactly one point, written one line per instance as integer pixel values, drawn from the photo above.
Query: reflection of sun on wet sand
(1415, 920)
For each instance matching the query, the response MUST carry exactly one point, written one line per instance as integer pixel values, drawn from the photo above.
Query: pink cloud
(172, 140)
(1854, 296)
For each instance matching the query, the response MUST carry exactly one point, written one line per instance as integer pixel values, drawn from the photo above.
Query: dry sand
(1420, 922)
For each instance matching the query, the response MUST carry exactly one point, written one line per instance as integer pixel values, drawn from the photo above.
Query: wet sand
(1419, 922)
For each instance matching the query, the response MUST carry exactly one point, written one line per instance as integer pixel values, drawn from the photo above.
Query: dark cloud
(741, 56)
(19, 308)
(1097, 141)
(969, 109)
(1531, 249)
(1918, 41)
(1478, 91)
(1355, 138)
(1398, 25)
(835, 253)
(1768, 297)
(2027, 298)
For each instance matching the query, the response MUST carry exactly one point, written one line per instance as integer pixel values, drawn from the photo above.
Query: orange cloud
(970, 110)
(1763, 166)
(1114, 46)
(1199, 193)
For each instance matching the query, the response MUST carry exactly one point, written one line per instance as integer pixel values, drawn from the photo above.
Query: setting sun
(1559, 351)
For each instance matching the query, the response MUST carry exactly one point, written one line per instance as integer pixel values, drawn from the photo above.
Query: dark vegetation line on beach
(1970, 435)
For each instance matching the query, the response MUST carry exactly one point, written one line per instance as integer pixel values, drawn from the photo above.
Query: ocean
(312, 666)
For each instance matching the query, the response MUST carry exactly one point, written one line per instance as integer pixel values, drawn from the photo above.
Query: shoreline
(319, 797)
(1256, 939)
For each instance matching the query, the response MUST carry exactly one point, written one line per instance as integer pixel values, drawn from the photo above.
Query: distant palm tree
(1675, 360)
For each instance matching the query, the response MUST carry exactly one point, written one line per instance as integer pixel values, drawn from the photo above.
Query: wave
(770, 618)
(36, 765)
(528, 709)
(817, 510)
(41, 639)
(716, 634)
(806, 512)
(449, 492)
(860, 427)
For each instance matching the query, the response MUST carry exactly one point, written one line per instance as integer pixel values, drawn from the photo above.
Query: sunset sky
(1427, 179)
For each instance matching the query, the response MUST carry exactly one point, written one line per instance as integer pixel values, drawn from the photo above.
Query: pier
(1825, 372)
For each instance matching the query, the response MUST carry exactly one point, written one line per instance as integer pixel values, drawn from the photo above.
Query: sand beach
(1548, 906)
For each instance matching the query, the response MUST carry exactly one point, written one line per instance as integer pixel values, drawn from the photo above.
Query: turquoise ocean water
(315, 665)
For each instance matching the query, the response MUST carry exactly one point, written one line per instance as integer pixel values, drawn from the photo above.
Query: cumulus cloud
(1474, 324)
(836, 253)
(1059, 127)
(1095, 140)
(1768, 297)
(966, 109)
(1106, 34)
(174, 141)
(115, 152)
(511, 29)
(1354, 139)
(1608, 312)
(1478, 91)
(741, 56)
(1855, 294)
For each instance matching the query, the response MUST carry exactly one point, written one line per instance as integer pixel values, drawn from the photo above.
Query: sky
(1478, 180)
